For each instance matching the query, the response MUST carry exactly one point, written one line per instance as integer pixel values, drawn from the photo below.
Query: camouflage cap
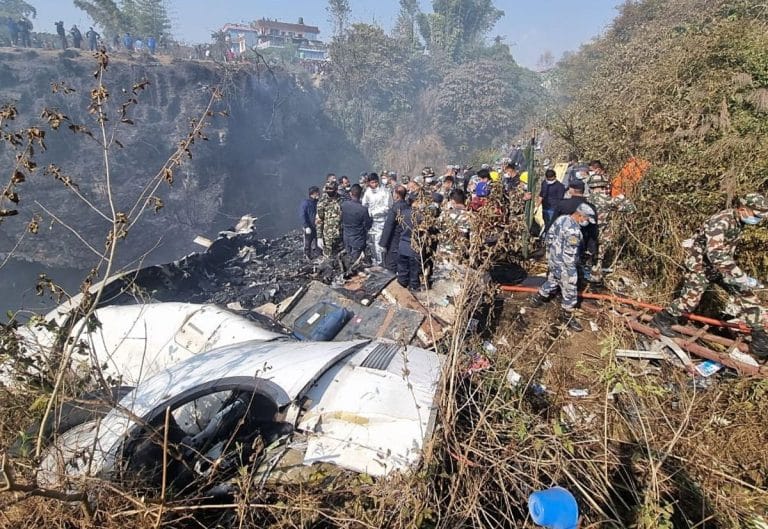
(587, 211)
(755, 201)
(331, 186)
(428, 171)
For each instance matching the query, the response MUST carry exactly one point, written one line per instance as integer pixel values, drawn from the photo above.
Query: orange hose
(639, 304)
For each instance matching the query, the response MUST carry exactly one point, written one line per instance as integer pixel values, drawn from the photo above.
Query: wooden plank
(432, 329)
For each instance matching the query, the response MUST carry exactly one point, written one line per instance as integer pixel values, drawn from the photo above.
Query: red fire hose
(639, 304)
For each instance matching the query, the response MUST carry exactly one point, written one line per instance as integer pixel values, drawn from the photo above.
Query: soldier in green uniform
(609, 211)
(710, 258)
(328, 221)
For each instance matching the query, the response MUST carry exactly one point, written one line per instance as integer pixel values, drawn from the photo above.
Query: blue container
(321, 322)
(554, 508)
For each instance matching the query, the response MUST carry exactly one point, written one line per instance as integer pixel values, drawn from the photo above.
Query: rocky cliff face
(275, 142)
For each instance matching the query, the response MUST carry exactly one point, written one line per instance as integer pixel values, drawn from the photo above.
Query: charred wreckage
(344, 377)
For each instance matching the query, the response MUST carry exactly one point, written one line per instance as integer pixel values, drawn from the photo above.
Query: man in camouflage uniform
(328, 221)
(710, 258)
(454, 225)
(609, 209)
(564, 243)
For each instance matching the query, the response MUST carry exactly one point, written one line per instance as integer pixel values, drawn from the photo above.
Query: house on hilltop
(264, 34)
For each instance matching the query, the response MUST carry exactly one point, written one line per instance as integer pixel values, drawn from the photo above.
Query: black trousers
(408, 269)
(391, 258)
(310, 245)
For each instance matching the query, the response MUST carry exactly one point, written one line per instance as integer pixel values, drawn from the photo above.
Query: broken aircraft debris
(227, 382)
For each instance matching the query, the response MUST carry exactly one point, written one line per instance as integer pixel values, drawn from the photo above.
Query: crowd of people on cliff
(18, 33)
(412, 226)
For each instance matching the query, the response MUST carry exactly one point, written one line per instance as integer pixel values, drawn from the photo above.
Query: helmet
(427, 171)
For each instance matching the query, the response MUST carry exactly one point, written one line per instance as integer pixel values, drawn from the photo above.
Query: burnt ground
(239, 268)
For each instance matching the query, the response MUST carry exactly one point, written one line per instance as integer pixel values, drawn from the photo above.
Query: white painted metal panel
(369, 420)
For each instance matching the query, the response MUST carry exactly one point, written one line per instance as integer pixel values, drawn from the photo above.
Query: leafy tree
(456, 28)
(106, 14)
(16, 9)
(141, 17)
(148, 17)
(339, 12)
(484, 100)
(407, 21)
(371, 84)
(681, 84)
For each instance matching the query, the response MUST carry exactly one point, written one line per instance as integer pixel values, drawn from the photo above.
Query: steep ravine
(275, 142)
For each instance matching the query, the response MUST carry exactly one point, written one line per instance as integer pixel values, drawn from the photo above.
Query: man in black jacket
(408, 259)
(307, 214)
(390, 235)
(552, 192)
(355, 222)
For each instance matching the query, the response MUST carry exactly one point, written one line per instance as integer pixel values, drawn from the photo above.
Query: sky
(529, 27)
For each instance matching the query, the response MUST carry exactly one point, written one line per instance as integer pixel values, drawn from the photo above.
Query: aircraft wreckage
(340, 377)
(292, 374)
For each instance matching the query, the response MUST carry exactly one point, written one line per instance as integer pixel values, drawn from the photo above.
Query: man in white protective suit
(378, 200)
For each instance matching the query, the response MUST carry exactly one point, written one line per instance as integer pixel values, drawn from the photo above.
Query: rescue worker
(77, 37)
(597, 179)
(330, 177)
(62, 33)
(408, 259)
(378, 201)
(710, 258)
(455, 222)
(515, 190)
(447, 188)
(392, 181)
(570, 170)
(13, 30)
(609, 209)
(308, 214)
(328, 221)
(25, 27)
(564, 241)
(590, 232)
(355, 223)
(552, 192)
(344, 186)
(390, 234)
(93, 39)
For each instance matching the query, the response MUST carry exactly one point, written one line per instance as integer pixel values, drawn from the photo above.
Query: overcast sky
(529, 27)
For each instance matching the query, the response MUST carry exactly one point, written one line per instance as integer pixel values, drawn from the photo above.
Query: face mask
(583, 223)
(591, 173)
(384, 181)
(549, 182)
(752, 220)
(580, 176)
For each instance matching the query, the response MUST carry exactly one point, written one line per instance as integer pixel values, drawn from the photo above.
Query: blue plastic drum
(554, 508)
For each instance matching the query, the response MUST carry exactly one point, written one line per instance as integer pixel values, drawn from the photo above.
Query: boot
(537, 300)
(664, 321)
(569, 320)
(759, 345)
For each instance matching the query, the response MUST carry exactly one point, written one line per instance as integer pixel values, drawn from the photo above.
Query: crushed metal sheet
(378, 320)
